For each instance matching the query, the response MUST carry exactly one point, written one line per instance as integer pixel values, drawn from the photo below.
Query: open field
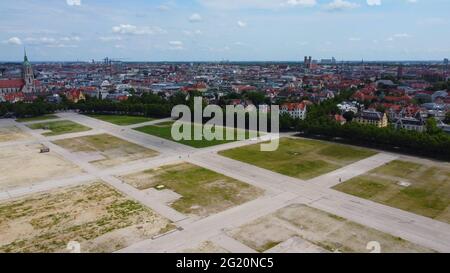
(12, 133)
(327, 232)
(23, 165)
(105, 150)
(203, 192)
(95, 215)
(121, 119)
(59, 127)
(164, 130)
(413, 187)
(304, 159)
(39, 118)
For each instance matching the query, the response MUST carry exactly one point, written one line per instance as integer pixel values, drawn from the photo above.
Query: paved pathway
(153, 122)
(280, 191)
(346, 173)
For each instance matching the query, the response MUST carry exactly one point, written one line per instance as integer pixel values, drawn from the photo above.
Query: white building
(295, 110)
(345, 107)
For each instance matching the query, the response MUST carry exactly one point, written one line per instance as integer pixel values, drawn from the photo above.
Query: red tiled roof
(14, 83)
(88, 88)
(13, 96)
(339, 118)
(293, 106)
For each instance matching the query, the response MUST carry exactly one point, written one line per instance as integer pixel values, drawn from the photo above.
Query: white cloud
(432, 21)
(354, 39)
(219, 49)
(71, 39)
(176, 45)
(62, 42)
(195, 18)
(134, 30)
(110, 38)
(374, 2)
(62, 46)
(340, 5)
(256, 4)
(402, 35)
(242, 24)
(13, 41)
(304, 3)
(41, 41)
(163, 8)
(73, 2)
(192, 33)
(398, 36)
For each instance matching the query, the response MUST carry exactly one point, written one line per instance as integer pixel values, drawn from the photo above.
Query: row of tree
(431, 145)
(124, 108)
(147, 105)
(22, 110)
(319, 123)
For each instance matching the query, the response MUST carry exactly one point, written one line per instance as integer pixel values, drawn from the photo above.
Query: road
(280, 191)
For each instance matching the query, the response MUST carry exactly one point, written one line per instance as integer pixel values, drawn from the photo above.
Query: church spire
(25, 58)
(28, 75)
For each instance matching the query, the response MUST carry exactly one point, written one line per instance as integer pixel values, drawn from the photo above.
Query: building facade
(26, 84)
(295, 110)
(373, 118)
(411, 124)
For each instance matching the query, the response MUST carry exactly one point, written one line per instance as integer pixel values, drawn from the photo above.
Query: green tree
(447, 118)
(432, 127)
(349, 116)
(178, 98)
(256, 98)
(286, 122)
(3, 109)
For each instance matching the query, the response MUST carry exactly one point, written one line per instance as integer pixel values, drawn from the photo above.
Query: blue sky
(214, 30)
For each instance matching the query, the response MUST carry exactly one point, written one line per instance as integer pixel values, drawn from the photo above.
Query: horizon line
(222, 61)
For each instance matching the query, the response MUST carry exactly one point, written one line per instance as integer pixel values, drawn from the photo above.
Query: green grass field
(428, 194)
(304, 159)
(59, 127)
(164, 130)
(121, 120)
(44, 117)
(203, 192)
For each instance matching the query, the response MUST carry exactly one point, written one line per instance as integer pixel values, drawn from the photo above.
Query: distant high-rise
(331, 61)
(446, 64)
(400, 72)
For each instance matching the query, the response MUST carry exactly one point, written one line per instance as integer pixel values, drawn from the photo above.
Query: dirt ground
(114, 151)
(23, 165)
(327, 231)
(95, 215)
(12, 133)
(206, 247)
(203, 192)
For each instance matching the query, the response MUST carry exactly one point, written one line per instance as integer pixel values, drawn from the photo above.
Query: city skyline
(212, 30)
